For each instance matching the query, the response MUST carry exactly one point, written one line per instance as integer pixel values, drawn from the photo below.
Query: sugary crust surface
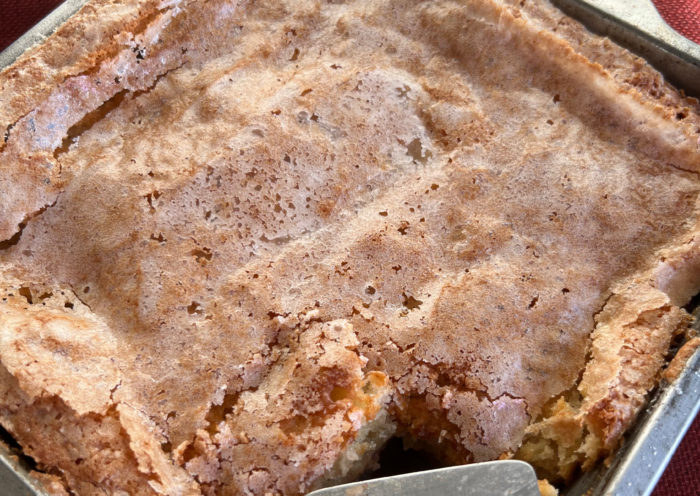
(76, 47)
(240, 235)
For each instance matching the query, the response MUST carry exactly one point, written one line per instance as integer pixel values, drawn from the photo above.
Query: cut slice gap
(693, 308)
(8, 243)
(13, 449)
(397, 457)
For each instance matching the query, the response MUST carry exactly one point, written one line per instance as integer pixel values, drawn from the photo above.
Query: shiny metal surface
(506, 477)
(636, 467)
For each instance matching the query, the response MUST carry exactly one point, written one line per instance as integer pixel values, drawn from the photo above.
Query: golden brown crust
(256, 230)
(50, 117)
(77, 46)
(628, 70)
(680, 360)
(546, 489)
(51, 484)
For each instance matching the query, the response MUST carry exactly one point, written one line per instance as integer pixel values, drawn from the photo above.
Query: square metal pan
(650, 444)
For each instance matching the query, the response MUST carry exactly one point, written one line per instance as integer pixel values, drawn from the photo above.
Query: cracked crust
(245, 242)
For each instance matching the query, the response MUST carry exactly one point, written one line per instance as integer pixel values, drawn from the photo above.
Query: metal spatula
(506, 477)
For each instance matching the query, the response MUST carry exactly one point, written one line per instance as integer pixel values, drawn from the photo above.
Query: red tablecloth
(682, 477)
(681, 15)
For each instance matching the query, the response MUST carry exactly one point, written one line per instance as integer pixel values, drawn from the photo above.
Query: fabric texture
(681, 15)
(682, 477)
(17, 17)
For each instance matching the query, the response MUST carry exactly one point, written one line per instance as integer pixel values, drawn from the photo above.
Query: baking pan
(650, 444)
(638, 26)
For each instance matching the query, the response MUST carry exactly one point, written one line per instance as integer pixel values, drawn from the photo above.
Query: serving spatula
(504, 477)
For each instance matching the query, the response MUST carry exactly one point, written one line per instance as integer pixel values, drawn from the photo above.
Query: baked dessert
(245, 243)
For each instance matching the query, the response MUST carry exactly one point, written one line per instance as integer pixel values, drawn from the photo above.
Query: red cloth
(17, 16)
(681, 15)
(682, 477)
